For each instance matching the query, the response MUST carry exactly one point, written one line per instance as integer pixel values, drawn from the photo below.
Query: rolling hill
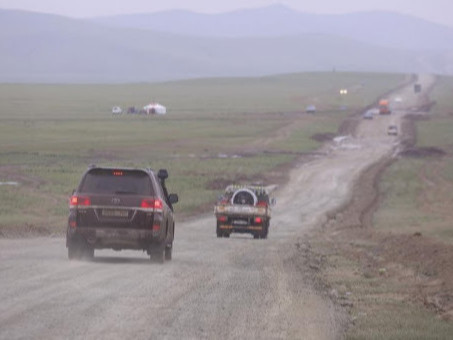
(378, 27)
(47, 48)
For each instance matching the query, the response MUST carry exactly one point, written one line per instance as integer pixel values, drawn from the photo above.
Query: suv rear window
(108, 181)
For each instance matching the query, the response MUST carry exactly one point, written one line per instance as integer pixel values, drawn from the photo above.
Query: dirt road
(233, 288)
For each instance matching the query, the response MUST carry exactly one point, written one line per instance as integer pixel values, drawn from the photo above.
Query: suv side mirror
(173, 198)
(162, 174)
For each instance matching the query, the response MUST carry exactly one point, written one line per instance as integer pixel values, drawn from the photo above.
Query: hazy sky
(435, 10)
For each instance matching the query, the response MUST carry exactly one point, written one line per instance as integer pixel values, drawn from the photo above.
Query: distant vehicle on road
(119, 208)
(384, 107)
(368, 115)
(398, 100)
(310, 109)
(392, 130)
(244, 209)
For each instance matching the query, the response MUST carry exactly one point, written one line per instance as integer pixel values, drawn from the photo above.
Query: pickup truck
(244, 209)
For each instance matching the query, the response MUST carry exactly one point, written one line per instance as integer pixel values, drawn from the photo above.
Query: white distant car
(116, 110)
(392, 130)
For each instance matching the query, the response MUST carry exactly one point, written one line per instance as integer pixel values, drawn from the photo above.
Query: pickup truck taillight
(258, 220)
(222, 218)
(77, 201)
(261, 204)
(152, 203)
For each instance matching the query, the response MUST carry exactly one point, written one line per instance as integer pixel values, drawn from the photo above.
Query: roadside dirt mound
(423, 152)
(323, 137)
(349, 126)
(427, 106)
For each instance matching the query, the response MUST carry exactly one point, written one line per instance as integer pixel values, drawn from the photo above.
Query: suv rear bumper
(115, 238)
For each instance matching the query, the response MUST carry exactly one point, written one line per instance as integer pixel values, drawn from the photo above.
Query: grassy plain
(382, 306)
(216, 131)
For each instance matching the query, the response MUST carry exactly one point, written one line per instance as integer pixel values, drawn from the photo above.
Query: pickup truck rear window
(118, 182)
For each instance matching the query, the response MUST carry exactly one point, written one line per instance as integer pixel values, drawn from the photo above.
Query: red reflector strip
(117, 173)
(156, 227)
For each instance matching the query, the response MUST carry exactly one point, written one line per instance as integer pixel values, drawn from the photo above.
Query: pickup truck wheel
(226, 234)
(265, 231)
(168, 251)
(88, 253)
(157, 255)
(256, 236)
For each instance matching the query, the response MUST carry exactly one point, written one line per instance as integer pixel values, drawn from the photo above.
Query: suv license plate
(114, 213)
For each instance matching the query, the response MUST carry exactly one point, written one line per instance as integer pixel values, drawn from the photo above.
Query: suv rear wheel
(168, 251)
(79, 251)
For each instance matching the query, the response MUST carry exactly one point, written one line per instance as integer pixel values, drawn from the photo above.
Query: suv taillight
(77, 201)
(152, 203)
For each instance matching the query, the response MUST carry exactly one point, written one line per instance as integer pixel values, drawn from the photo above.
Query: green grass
(382, 306)
(435, 132)
(49, 134)
(399, 320)
(401, 188)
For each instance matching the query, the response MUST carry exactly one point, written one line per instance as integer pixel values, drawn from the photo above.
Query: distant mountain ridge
(378, 27)
(37, 47)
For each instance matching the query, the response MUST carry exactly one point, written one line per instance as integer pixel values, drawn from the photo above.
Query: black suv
(121, 209)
